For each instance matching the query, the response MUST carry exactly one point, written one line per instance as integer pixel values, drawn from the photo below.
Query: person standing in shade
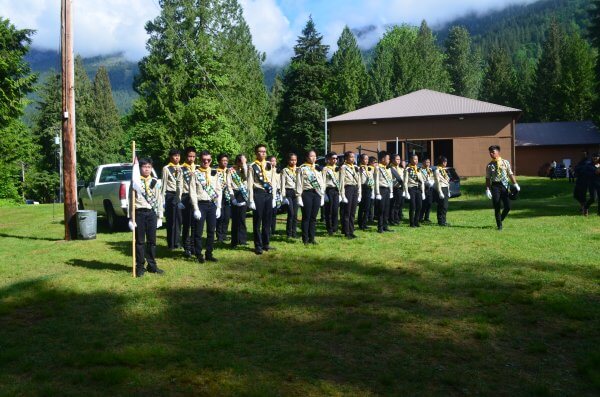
(188, 170)
(414, 190)
(148, 216)
(367, 183)
(310, 193)
(261, 196)
(331, 177)
(350, 192)
(429, 179)
(442, 187)
(398, 190)
(497, 177)
(288, 187)
(171, 175)
(206, 198)
(383, 192)
(239, 202)
(272, 160)
(222, 174)
(593, 171)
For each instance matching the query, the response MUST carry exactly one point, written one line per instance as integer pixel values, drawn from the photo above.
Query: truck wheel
(80, 204)
(111, 218)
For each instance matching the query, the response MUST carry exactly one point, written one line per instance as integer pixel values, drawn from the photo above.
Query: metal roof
(423, 103)
(557, 133)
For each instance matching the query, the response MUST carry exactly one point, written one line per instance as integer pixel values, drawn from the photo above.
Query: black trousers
(331, 209)
(209, 216)
(311, 202)
(426, 206)
(273, 220)
(291, 224)
(173, 215)
(223, 221)
(348, 210)
(239, 234)
(145, 240)
(383, 209)
(442, 207)
(416, 201)
(594, 192)
(396, 206)
(188, 224)
(365, 206)
(261, 218)
(499, 200)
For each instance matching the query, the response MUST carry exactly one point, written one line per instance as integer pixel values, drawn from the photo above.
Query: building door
(443, 147)
(418, 147)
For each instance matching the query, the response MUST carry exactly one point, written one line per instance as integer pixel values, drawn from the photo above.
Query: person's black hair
(144, 161)
(393, 156)
(271, 157)
(382, 154)
(348, 153)
(205, 153)
(494, 147)
(308, 152)
(259, 146)
(372, 159)
(441, 159)
(190, 149)
(238, 158)
(330, 155)
(289, 156)
(174, 152)
(221, 156)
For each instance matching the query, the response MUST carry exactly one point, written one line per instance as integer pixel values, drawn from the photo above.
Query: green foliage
(47, 120)
(547, 89)
(41, 185)
(348, 73)
(16, 147)
(300, 123)
(105, 119)
(16, 80)
(500, 82)
(594, 35)
(463, 64)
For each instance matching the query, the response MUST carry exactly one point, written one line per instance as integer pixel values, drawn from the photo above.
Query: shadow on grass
(97, 265)
(29, 237)
(365, 330)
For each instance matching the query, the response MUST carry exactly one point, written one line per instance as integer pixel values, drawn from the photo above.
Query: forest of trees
(202, 84)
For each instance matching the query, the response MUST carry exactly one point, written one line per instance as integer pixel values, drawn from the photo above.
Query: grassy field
(465, 310)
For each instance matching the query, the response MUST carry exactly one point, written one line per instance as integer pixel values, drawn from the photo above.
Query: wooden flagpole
(133, 213)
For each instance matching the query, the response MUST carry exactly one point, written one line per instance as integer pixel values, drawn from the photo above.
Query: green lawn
(465, 310)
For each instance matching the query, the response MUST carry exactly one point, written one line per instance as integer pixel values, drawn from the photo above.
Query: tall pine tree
(500, 82)
(105, 117)
(464, 64)
(594, 33)
(547, 87)
(300, 126)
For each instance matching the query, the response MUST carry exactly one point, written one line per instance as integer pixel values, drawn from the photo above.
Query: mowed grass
(465, 310)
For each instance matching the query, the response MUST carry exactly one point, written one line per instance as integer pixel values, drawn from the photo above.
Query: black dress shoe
(156, 271)
(313, 242)
(201, 259)
(211, 258)
(187, 254)
(139, 273)
(258, 251)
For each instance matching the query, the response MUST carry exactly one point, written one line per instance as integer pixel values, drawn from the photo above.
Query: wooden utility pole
(68, 121)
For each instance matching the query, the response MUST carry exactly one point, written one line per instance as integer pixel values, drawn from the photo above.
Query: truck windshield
(115, 174)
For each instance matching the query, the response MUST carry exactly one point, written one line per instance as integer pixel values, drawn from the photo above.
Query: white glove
(159, 223)
(430, 183)
(517, 187)
(373, 196)
(286, 201)
(323, 200)
(252, 206)
(407, 196)
(243, 203)
(164, 205)
(423, 196)
(345, 200)
(359, 198)
(234, 202)
(339, 199)
(299, 201)
(180, 206)
(197, 214)
(378, 197)
(391, 195)
(326, 198)
(131, 225)
(449, 194)
(441, 194)
(488, 193)
(218, 213)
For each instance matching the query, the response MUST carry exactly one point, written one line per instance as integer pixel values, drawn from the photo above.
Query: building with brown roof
(430, 124)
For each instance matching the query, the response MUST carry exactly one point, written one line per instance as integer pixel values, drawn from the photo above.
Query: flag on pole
(136, 177)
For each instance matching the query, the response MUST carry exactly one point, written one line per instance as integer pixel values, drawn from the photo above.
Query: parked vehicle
(108, 193)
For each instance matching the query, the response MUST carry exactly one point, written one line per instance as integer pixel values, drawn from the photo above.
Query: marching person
(383, 192)
(414, 190)
(310, 193)
(498, 173)
(367, 183)
(148, 216)
(261, 196)
(398, 190)
(442, 187)
(350, 192)
(239, 202)
(272, 160)
(288, 188)
(429, 179)
(171, 175)
(206, 198)
(331, 177)
(188, 170)
(226, 196)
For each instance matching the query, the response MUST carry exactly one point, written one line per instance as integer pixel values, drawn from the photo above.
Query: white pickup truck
(108, 193)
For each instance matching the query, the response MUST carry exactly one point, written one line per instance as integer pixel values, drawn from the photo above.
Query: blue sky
(108, 26)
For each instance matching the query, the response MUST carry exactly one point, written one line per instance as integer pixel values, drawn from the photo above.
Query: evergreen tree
(47, 121)
(547, 87)
(594, 34)
(348, 76)
(275, 104)
(105, 117)
(300, 125)
(500, 82)
(432, 72)
(464, 64)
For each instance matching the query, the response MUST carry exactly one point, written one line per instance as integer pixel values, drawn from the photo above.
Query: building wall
(535, 160)
(472, 136)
